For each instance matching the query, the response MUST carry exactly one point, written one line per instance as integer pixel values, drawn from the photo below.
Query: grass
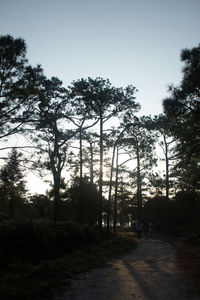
(25, 281)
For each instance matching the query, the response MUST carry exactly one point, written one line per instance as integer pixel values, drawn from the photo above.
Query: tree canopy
(100, 154)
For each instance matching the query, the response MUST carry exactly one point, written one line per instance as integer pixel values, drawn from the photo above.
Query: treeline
(100, 154)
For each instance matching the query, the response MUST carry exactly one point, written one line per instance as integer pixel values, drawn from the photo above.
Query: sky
(135, 42)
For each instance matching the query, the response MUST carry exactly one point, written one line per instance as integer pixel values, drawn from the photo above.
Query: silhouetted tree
(124, 205)
(90, 153)
(12, 185)
(83, 119)
(41, 204)
(52, 132)
(168, 145)
(19, 84)
(155, 181)
(83, 198)
(104, 101)
(142, 140)
(113, 139)
(183, 108)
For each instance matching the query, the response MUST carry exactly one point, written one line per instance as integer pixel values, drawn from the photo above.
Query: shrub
(35, 241)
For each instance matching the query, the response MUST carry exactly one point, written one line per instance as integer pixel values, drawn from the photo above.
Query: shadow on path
(147, 272)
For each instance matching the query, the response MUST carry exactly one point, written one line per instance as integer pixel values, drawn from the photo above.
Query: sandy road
(147, 272)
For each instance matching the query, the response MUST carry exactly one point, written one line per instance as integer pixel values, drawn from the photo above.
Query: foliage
(41, 205)
(34, 241)
(12, 185)
(52, 134)
(168, 144)
(156, 184)
(101, 98)
(183, 109)
(140, 139)
(12, 54)
(38, 240)
(83, 198)
(19, 84)
(180, 215)
(55, 275)
(157, 208)
(185, 210)
(57, 119)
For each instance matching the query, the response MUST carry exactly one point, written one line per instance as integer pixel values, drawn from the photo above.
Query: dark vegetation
(180, 215)
(103, 176)
(41, 259)
(188, 261)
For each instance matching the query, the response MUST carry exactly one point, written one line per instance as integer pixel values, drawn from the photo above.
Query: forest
(106, 164)
(104, 160)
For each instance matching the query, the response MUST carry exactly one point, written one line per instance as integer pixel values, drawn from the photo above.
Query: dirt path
(148, 272)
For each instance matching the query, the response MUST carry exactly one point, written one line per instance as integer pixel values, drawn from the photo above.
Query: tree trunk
(81, 217)
(110, 190)
(116, 188)
(11, 205)
(91, 164)
(139, 189)
(56, 177)
(167, 168)
(81, 155)
(101, 175)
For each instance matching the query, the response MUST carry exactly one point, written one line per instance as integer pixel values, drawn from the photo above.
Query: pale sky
(134, 42)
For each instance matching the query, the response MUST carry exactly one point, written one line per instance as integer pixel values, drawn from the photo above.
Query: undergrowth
(188, 260)
(29, 280)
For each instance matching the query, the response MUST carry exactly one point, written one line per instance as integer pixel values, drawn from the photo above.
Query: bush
(27, 240)
(36, 241)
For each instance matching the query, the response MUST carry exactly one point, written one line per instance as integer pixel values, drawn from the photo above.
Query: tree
(141, 139)
(41, 204)
(104, 101)
(186, 171)
(12, 184)
(168, 144)
(83, 198)
(91, 152)
(183, 107)
(118, 143)
(124, 205)
(79, 122)
(19, 84)
(159, 208)
(155, 181)
(112, 141)
(52, 133)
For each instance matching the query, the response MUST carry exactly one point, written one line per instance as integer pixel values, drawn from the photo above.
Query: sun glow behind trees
(38, 182)
(90, 129)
